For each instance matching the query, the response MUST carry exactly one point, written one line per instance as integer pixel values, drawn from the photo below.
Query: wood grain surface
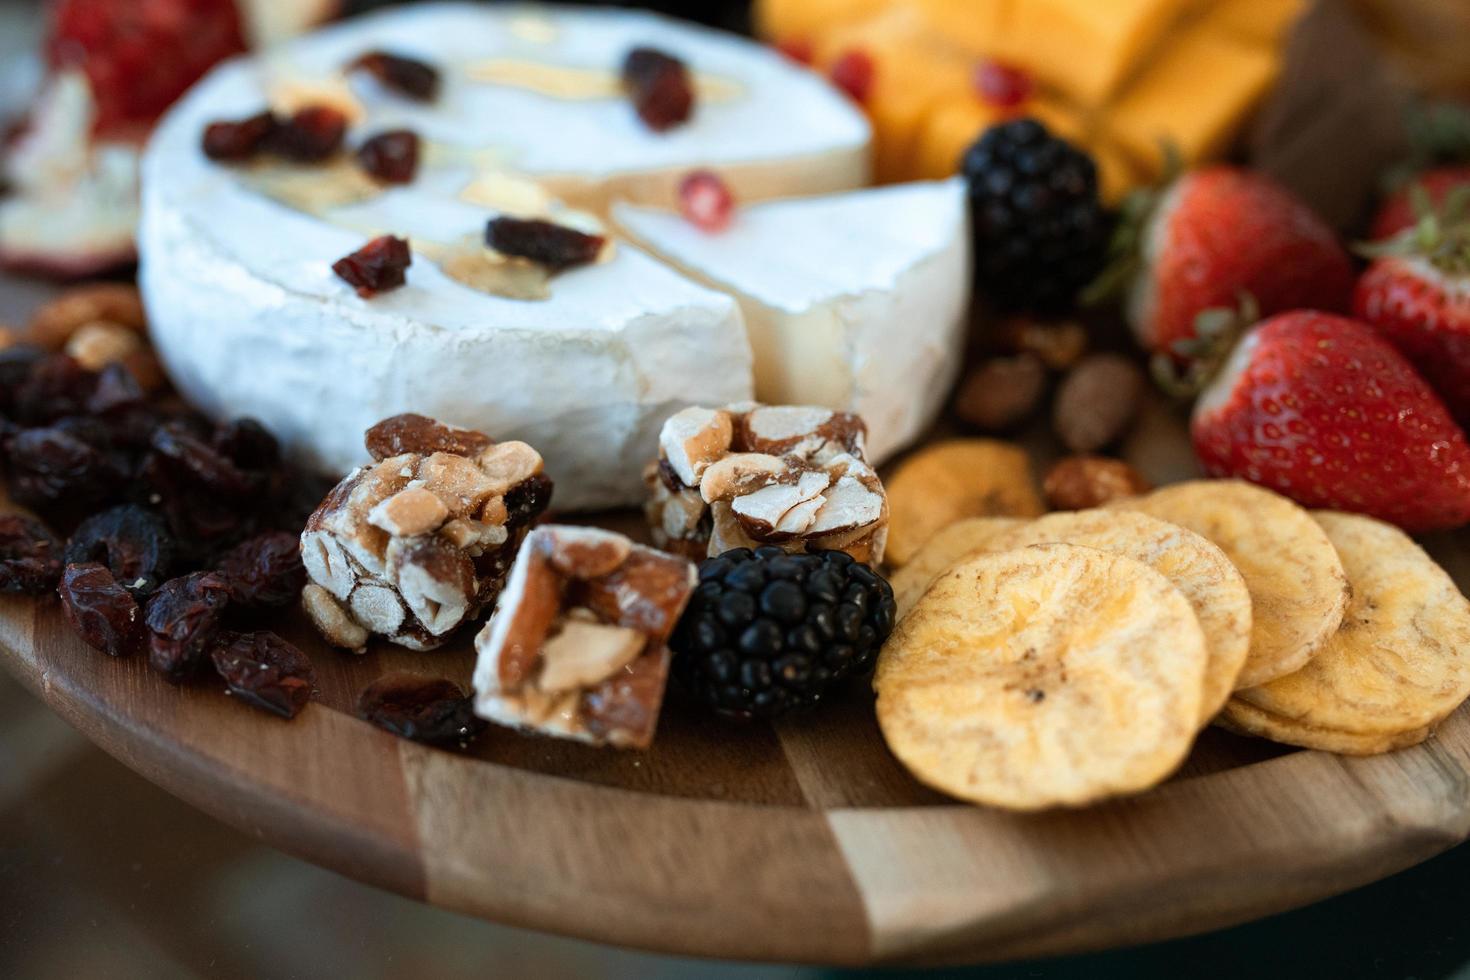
(802, 841)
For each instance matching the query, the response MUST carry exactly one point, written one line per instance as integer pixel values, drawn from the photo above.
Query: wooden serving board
(802, 841)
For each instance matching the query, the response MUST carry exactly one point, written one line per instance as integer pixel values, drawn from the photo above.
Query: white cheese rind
(250, 320)
(858, 302)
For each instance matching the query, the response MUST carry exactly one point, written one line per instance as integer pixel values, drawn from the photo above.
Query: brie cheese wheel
(249, 318)
(857, 302)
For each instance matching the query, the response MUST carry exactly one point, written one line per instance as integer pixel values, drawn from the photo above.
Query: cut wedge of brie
(856, 301)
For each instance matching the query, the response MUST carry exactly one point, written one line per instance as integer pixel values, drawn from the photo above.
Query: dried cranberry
(199, 463)
(239, 139)
(426, 709)
(310, 135)
(265, 671)
(30, 555)
(798, 49)
(527, 500)
(407, 76)
(705, 201)
(54, 387)
(391, 157)
(554, 246)
(1002, 85)
(853, 72)
(410, 433)
(53, 468)
(183, 617)
(248, 444)
(660, 88)
(103, 613)
(265, 570)
(133, 542)
(376, 267)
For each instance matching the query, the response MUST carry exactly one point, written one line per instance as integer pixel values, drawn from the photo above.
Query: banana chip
(1247, 719)
(944, 549)
(1297, 585)
(1401, 661)
(1213, 586)
(949, 481)
(1053, 675)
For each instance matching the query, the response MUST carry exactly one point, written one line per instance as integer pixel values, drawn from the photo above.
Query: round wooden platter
(802, 841)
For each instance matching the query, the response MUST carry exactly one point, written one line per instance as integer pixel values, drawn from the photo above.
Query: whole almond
(1001, 393)
(1097, 401)
(1080, 482)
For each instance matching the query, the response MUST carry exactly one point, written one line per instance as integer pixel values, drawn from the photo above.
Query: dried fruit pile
(163, 532)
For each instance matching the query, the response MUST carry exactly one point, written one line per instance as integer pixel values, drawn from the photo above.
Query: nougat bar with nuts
(419, 541)
(751, 475)
(578, 645)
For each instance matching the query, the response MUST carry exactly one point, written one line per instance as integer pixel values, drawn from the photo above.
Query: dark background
(103, 875)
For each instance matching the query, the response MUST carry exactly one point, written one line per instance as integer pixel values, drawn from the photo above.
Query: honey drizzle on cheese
(580, 84)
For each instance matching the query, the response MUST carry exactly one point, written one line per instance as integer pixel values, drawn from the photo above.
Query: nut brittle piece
(750, 475)
(418, 542)
(578, 645)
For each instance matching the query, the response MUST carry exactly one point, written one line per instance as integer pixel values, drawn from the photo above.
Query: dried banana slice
(1047, 676)
(1247, 719)
(1296, 581)
(949, 481)
(958, 540)
(1401, 661)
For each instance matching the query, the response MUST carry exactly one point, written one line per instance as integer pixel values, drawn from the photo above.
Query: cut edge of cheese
(857, 301)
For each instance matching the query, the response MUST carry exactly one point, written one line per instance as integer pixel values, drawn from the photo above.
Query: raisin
(391, 157)
(407, 76)
(55, 386)
(310, 135)
(103, 613)
(239, 139)
(546, 243)
(183, 617)
(265, 570)
(16, 364)
(527, 500)
(131, 541)
(200, 521)
(248, 444)
(199, 463)
(30, 555)
(409, 433)
(117, 390)
(264, 671)
(660, 88)
(376, 267)
(53, 467)
(433, 710)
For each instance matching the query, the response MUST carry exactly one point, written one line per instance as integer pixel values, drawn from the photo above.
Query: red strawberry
(1221, 232)
(1324, 410)
(140, 55)
(1396, 213)
(1417, 295)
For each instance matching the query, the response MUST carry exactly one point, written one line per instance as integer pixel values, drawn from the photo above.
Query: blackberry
(767, 631)
(1040, 229)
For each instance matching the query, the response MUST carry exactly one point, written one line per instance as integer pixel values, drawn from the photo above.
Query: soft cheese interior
(857, 301)
(250, 319)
